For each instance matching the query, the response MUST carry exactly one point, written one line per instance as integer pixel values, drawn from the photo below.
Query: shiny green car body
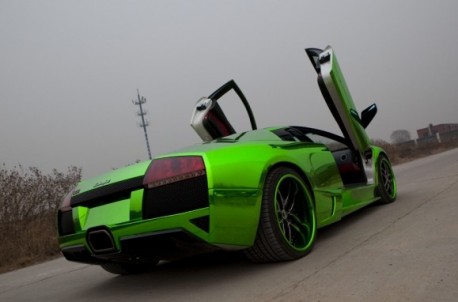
(264, 191)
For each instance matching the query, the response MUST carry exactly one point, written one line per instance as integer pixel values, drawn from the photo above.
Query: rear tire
(128, 268)
(287, 224)
(387, 188)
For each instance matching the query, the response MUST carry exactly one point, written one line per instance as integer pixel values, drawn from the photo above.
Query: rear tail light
(168, 170)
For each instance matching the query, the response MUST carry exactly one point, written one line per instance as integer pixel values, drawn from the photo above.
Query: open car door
(338, 98)
(209, 120)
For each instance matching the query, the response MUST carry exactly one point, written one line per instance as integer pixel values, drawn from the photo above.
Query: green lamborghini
(264, 191)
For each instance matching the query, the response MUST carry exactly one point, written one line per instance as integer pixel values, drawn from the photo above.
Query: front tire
(387, 188)
(287, 226)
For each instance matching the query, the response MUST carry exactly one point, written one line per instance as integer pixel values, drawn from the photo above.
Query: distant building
(442, 131)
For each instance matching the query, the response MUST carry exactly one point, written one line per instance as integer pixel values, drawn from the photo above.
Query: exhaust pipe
(101, 241)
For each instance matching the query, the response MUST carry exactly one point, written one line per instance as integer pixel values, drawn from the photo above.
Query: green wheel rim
(294, 212)
(387, 178)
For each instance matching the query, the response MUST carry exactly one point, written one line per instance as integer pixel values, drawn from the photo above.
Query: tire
(287, 224)
(387, 188)
(128, 268)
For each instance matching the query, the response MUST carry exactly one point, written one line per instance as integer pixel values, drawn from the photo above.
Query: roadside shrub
(404, 152)
(28, 203)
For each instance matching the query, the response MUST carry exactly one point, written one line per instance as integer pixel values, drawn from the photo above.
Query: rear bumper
(142, 249)
(119, 231)
(159, 238)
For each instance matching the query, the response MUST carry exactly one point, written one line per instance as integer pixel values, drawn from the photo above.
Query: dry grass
(28, 203)
(402, 153)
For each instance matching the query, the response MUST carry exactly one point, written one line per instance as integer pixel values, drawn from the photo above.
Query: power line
(144, 123)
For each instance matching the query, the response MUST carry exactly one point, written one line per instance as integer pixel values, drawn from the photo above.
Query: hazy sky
(70, 69)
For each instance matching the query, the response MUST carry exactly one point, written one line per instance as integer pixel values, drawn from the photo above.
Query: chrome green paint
(328, 206)
(236, 170)
(108, 214)
(244, 165)
(114, 176)
(80, 215)
(357, 198)
(324, 170)
(171, 222)
(136, 199)
(234, 216)
(349, 115)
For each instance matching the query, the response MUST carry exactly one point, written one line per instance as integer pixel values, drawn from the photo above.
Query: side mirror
(367, 115)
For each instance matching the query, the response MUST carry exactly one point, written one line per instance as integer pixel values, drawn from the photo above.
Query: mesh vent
(176, 197)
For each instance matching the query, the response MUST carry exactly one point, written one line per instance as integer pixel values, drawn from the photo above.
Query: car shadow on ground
(211, 270)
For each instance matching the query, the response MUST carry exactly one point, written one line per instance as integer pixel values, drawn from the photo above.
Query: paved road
(405, 251)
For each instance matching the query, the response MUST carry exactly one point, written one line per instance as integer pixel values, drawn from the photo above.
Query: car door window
(332, 144)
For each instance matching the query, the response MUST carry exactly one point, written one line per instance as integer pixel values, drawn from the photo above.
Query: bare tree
(400, 136)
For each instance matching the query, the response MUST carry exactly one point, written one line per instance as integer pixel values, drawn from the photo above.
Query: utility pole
(143, 123)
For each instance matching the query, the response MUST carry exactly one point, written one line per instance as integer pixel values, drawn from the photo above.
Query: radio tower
(143, 123)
